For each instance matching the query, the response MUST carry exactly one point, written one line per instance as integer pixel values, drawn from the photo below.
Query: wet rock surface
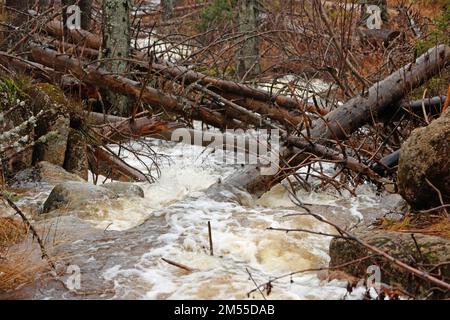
(125, 189)
(73, 195)
(92, 251)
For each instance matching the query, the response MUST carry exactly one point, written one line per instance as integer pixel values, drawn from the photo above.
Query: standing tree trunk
(116, 44)
(247, 58)
(86, 11)
(167, 9)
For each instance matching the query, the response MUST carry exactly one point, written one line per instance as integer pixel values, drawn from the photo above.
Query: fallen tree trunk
(116, 167)
(330, 154)
(82, 37)
(432, 106)
(151, 95)
(387, 163)
(188, 76)
(344, 120)
(130, 129)
(177, 133)
(122, 85)
(362, 109)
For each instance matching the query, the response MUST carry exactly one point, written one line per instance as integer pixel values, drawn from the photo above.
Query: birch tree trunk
(116, 44)
(247, 59)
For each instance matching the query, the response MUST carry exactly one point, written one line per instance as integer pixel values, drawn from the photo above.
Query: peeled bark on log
(273, 112)
(230, 142)
(117, 166)
(75, 49)
(140, 127)
(99, 77)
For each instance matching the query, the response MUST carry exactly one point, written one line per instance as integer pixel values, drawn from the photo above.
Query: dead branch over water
(179, 71)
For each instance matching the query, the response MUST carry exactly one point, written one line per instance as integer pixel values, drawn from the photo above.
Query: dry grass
(17, 266)
(11, 231)
(435, 225)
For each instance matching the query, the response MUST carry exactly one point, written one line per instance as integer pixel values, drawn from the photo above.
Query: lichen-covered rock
(16, 126)
(74, 195)
(125, 189)
(76, 160)
(433, 250)
(424, 165)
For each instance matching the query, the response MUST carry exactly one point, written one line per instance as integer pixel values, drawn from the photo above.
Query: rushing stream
(118, 245)
(171, 222)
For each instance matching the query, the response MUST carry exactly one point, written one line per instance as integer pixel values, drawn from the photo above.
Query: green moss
(440, 33)
(55, 94)
(12, 90)
(216, 13)
(10, 195)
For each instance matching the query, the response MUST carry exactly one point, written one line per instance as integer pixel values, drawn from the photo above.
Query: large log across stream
(87, 41)
(369, 105)
(336, 125)
(101, 78)
(343, 121)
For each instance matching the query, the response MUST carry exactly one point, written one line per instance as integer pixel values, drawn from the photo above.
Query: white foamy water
(241, 240)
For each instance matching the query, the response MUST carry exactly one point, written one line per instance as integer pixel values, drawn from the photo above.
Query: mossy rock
(433, 250)
(424, 165)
